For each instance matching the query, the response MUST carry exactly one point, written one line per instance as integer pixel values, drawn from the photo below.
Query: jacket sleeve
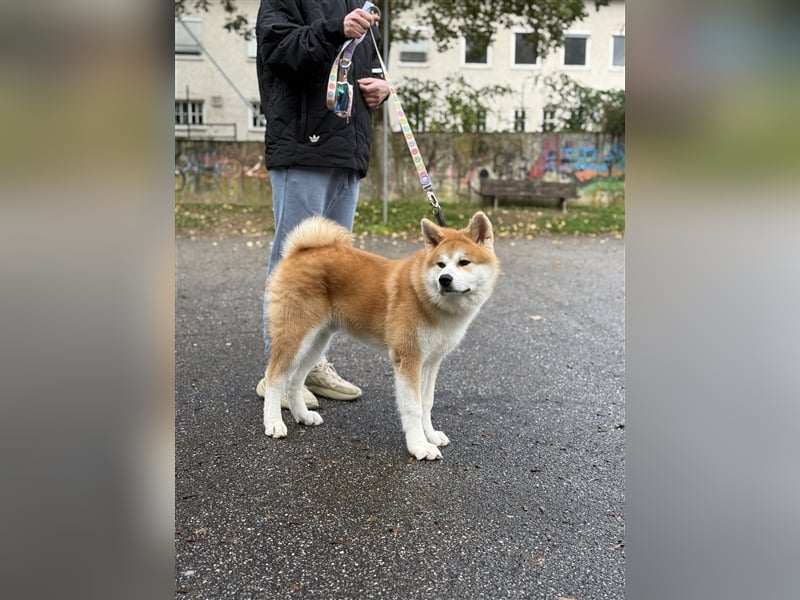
(294, 37)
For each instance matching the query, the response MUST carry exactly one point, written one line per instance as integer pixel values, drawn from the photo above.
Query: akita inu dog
(419, 308)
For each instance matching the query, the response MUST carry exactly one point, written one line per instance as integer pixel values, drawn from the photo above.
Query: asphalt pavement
(528, 501)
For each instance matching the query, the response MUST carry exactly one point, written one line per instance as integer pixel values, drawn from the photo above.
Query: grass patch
(223, 220)
(226, 220)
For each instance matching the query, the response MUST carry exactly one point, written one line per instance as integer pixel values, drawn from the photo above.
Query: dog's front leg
(298, 408)
(409, 403)
(273, 421)
(429, 372)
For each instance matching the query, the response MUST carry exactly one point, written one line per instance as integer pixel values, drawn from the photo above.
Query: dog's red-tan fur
(418, 308)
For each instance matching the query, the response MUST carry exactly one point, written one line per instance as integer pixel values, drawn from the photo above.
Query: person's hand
(357, 22)
(373, 90)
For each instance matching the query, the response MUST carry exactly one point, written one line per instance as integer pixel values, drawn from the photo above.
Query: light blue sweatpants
(300, 192)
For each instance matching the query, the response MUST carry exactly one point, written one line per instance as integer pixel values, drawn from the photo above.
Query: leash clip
(437, 209)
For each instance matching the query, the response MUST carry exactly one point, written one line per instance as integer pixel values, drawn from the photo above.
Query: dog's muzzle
(446, 285)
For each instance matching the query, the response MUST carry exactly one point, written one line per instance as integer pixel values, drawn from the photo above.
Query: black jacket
(297, 43)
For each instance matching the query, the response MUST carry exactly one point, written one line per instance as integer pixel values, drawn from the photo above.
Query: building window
(189, 112)
(519, 120)
(257, 118)
(186, 30)
(576, 50)
(476, 52)
(481, 119)
(252, 43)
(414, 52)
(525, 49)
(617, 50)
(549, 119)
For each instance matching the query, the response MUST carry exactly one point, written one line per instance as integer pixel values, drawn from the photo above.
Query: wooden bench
(535, 192)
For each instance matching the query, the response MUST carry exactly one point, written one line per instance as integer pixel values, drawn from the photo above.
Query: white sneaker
(323, 380)
(309, 398)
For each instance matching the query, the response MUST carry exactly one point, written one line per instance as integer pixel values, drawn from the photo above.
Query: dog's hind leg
(285, 376)
(311, 350)
(407, 371)
(429, 371)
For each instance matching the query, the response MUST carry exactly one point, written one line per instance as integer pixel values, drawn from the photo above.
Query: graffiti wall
(580, 157)
(235, 172)
(454, 161)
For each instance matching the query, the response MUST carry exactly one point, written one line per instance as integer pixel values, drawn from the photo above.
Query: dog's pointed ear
(431, 233)
(480, 230)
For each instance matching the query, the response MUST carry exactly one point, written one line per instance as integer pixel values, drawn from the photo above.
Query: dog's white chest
(438, 341)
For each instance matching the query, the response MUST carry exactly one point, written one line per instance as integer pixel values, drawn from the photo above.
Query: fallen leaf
(189, 591)
(229, 539)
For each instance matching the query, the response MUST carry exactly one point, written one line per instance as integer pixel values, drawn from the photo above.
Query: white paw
(276, 429)
(309, 418)
(425, 451)
(310, 400)
(438, 438)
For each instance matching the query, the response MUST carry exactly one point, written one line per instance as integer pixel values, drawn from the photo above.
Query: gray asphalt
(528, 501)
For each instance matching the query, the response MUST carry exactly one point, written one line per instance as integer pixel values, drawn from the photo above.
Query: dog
(418, 308)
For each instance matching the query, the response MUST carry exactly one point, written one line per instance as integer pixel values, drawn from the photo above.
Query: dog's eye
(441, 265)
(463, 262)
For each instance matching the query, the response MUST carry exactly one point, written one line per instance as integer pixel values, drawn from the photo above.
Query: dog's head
(460, 267)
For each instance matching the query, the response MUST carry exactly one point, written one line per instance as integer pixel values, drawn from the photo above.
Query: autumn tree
(576, 107)
(479, 20)
(452, 105)
(448, 21)
(464, 108)
(235, 21)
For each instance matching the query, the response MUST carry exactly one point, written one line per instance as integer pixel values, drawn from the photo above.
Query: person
(315, 157)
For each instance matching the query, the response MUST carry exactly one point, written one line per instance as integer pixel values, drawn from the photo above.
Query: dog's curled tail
(315, 232)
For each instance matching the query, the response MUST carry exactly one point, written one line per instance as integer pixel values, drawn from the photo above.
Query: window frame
(255, 110)
(519, 118)
(189, 110)
(475, 65)
(196, 25)
(611, 64)
(514, 64)
(482, 117)
(425, 38)
(252, 43)
(586, 35)
(548, 120)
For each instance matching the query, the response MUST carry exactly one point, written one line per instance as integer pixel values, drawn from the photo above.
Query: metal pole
(188, 119)
(385, 20)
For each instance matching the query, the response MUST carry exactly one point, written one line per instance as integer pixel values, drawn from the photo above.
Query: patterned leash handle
(339, 95)
(422, 172)
(339, 98)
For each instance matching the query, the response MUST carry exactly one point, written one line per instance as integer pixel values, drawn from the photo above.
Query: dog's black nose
(445, 280)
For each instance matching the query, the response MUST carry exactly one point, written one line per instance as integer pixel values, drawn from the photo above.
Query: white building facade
(216, 91)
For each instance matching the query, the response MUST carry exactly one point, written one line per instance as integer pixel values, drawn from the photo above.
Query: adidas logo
(313, 138)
